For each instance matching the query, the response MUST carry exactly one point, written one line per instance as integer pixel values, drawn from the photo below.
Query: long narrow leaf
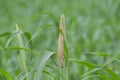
(38, 32)
(5, 34)
(18, 48)
(89, 65)
(113, 74)
(6, 74)
(91, 76)
(91, 71)
(41, 65)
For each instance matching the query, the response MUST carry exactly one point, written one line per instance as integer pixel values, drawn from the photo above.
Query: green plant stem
(22, 52)
(66, 73)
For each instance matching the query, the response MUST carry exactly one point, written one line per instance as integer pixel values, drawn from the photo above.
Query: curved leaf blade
(6, 74)
(89, 65)
(41, 65)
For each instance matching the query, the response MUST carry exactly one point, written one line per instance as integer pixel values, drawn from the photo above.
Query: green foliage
(91, 46)
(41, 65)
(6, 74)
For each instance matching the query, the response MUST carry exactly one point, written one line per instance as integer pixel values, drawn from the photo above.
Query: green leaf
(48, 73)
(89, 65)
(116, 57)
(103, 54)
(6, 74)
(41, 65)
(98, 53)
(103, 76)
(55, 69)
(28, 37)
(5, 34)
(91, 76)
(18, 48)
(112, 73)
(21, 52)
(66, 52)
(26, 21)
(36, 34)
(90, 72)
(54, 17)
(12, 36)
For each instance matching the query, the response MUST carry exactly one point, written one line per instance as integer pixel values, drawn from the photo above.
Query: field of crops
(59, 40)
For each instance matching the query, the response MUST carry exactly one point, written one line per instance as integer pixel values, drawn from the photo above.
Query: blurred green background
(91, 26)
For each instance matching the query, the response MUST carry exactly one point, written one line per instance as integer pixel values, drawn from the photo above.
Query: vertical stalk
(22, 52)
(62, 51)
(61, 37)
